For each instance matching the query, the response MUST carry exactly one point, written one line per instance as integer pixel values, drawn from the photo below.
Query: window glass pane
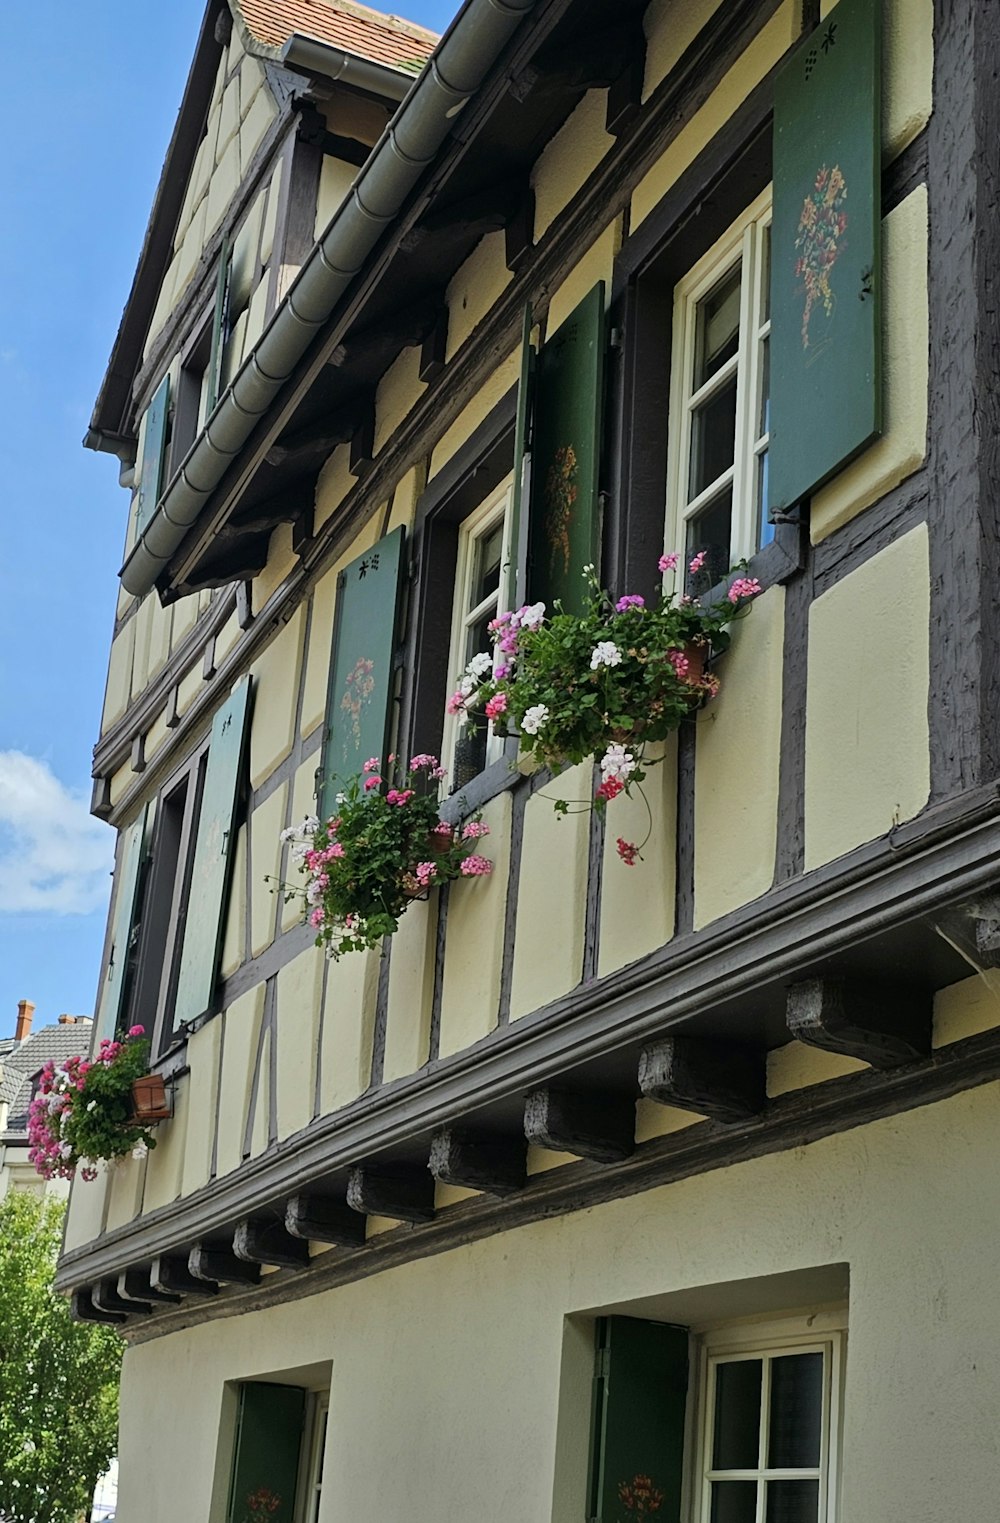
(717, 328)
(713, 438)
(796, 1414)
(764, 410)
(710, 531)
(765, 529)
(734, 1501)
(736, 1444)
(792, 1501)
(765, 274)
(489, 550)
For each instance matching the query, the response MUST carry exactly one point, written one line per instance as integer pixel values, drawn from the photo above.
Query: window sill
(499, 777)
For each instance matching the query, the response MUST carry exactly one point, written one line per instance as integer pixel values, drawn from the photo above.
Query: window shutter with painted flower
(637, 1433)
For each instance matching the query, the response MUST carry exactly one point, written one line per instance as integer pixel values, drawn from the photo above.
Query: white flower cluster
(617, 763)
(605, 653)
(301, 837)
(534, 718)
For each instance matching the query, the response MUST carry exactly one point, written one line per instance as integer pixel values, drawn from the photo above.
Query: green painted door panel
(154, 450)
(266, 1457)
(826, 270)
(109, 1011)
(512, 592)
(637, 1437)
(360, 693)
(203, 925)
(564, 534)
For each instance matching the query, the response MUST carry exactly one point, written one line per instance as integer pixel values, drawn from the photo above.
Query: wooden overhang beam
(82, 1308)
(404, 1193)
(169, 1275)
(595, 1126)
(322, 1219)
(882, 1024)
(106, 1298)
(491, 1164)
(134, 1285)
(219, 1265)
(721, 1080)
(268, 1242)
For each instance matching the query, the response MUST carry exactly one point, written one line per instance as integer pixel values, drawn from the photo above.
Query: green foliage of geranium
(59, 1392)
(82, 1111)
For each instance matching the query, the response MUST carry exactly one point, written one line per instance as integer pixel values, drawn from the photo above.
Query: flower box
(150, 1100)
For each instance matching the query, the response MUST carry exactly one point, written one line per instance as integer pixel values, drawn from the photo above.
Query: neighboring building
(22, 1058)
(606, 1191)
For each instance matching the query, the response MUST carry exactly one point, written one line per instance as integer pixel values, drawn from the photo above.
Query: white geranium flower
(605, 653)
(467, 686)
(533, 616)
(534, 718)
(139, 1151)
(617, 763)
(480, 665)
(92, 1106)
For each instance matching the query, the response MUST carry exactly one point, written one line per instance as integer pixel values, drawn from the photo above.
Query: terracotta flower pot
(150, 1101)
(696, 656)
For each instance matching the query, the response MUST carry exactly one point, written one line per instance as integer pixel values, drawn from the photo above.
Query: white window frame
(480, 522)
(824, 1332)
(310, 1486)
(743, 242)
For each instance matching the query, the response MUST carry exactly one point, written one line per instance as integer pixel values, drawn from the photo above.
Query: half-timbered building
(603, 1189)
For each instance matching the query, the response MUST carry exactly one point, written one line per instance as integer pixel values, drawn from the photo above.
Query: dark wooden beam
(82, 1308)
(596, 61)
(170, 1276)
(134, 1285)
(985, 915)
(317, 438)
(320, 1219)
(484, 210)
(625, 91)
(434, 349)
(494, 1165)
(363, 441)
(519, 233)
(100, 798)
(207, 1263)
(882, 1024)
(259, 1242)
(137, 761)
(722, 1080)
(599, 1127)
(405, 1194)
(282, 507)
(106, 1298)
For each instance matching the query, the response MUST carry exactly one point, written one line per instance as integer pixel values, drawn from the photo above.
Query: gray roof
(21, 1062)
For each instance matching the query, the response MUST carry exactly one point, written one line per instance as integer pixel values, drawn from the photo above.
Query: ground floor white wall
(460, 1390)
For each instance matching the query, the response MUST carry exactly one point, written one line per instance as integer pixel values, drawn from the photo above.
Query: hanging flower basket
(83, 1112)
(605, 683)
(383, 848)
(150, 1099)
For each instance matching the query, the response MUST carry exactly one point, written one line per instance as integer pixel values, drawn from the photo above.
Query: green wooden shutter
(219, 324)
(512, 594)
(564, 534)
(126, 902)
(360, 692)
(154, 450)
(637, 1437)
(826, 269)
(212, 857)
(266, 1456)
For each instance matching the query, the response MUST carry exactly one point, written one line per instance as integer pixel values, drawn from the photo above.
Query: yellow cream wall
(485, 1413)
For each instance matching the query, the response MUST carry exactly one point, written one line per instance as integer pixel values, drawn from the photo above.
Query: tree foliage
(58, 1378)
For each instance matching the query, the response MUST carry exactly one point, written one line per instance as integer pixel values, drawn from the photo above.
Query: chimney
(25, 1010)
(68, 1020)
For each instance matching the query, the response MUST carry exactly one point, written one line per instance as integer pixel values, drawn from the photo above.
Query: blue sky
(85, 120)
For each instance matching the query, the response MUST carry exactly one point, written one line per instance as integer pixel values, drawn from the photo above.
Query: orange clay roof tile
(355, 28)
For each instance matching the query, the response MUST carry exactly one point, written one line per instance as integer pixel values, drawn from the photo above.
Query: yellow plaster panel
(85, 1213)
(271, 214)
(276, 686)
(142, 619)
(907, 70)
(670, 26)
(260, 1130)
(348, 1029)
(376, 1225)
(232, 356)
(165, 1164)
(189, 687)
(596, 264)
(119, 675)
(235, 935)
(281, 559)
(475, 287)
(299, 1004)
(334, 483)
(411, 988)
(125, 1191)
(266, 824)
(244, 263)
(541, 1160)
(489, 394)
(335, 180)
(189, 252)
(736, 767)
(797, 1066)
(256, 314)
(570, 158)
(227, 639)
(259, 117)
(229, 118)
(353, 116)
(161, 621)
(222, 187)
(406, 496)
(203, 1084)
(239, 1054)
(321, 630)
(867, 750)
(548, 951)
(967, 1008)
(156, 734)
(655, 1120)
(470, 995)
(252, 79)
(185, 612)
(398, 391)
(905, 369)
(120, 782)
(754, 62)
(451, 1195)
(637, 903)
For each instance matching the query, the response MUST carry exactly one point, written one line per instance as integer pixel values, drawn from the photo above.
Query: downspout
(409, 144)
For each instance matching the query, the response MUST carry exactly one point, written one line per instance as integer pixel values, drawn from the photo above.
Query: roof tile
(355, 28)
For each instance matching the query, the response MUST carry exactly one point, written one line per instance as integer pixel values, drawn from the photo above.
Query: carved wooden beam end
(106, 1298)
(134, 1285)
(406, 1195)
(170, 1276)
(882, 1024)
(217, 1264)
(82, 1308)
(494, 1165)
(257, 1242)
(319, 1219)
(721, 1080)
(598, 1127)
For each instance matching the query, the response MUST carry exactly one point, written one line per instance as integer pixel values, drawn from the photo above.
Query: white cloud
(54, 857)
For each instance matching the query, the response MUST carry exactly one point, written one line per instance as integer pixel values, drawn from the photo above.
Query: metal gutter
(455, 70)
(316, 57)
